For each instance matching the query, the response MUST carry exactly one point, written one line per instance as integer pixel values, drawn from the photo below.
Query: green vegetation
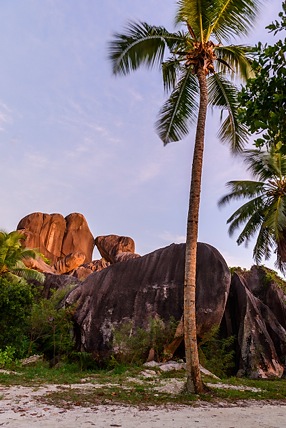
(133, 347)
(263, 99)
(217, 354)
(12, 255)
(271, 276)
(16, 299)
(97, 386)
(51, 328)
(28, 322)
(262, 110)
(264, 212)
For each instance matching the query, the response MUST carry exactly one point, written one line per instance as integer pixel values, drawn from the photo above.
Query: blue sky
(74, 138)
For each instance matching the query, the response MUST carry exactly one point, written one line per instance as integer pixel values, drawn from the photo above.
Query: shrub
(217, 354)
(6, 356)
(133, 345)
(16, 298)
(51, 328)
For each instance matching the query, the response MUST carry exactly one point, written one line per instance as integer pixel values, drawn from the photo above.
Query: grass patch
(127, 386)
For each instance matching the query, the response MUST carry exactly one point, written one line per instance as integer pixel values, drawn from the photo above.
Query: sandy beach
(20, 408)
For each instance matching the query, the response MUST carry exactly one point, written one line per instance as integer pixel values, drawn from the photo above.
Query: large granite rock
(57, 237)
(114, 248)
(147, 287)
(255, 314)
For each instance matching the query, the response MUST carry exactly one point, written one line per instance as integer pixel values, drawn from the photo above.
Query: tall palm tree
(196, 75)
(264, 214)
(12, 255)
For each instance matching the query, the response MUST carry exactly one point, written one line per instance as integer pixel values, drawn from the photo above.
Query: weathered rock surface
(66, 264)
(38, 264)
(78, 237)
(258, 325)
(56, 236)
(83, 271)
(144, 288)
(114, 248)
(69, 263)
(58, 282)
(262, 283)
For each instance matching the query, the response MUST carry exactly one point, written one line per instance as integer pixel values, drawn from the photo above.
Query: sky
(74, 138)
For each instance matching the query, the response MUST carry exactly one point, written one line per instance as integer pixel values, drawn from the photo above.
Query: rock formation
(44, 232)
(145, 288)
(58, 282)
(255, 314)
(78, 237)
(69, 263)
(114, 248)
(57, 237)
(125, 287)
(84, 270)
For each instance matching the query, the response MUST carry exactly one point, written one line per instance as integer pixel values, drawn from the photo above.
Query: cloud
(149, 172)
(135, 95)
(5, 115)
(167, 236)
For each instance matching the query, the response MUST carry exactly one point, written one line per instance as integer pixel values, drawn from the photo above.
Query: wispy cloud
(167, 236)
(135, 95)
(5, 116)
(148, 172)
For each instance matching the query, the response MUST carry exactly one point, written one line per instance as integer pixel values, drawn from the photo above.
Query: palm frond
(266, 165)
(170, 70)
(281, 253)
(249, 213)
(141, 44)
(231, 18)
(251, 227)
(237, 57)
(275, 216)
(194, 13)
(179, 109)
(265, 213)
(223, 94)
(264, 245)
(29, 274)
(242, 189)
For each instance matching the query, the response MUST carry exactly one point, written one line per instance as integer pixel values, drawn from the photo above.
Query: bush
(51, 328)
(16, 298)
(133, 345)
(217, 354)
(6, 356)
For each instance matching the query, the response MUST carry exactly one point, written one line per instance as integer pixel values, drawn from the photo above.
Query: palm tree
(195, 73)
(264, 214)
(12, 255)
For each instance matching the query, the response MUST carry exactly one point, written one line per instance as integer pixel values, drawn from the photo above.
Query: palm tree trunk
(194, 381)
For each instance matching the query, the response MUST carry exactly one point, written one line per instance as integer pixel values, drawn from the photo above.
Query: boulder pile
(124, 287)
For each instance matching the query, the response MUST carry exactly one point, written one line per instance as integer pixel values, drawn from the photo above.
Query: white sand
(20, 409)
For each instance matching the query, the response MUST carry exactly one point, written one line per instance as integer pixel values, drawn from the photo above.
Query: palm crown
(264, 214)
(12, 255)
(208, 24)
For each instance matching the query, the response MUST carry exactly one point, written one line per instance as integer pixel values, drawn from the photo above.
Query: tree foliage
(264, 213)
(263, 99)
(12, 254)
(16, 298)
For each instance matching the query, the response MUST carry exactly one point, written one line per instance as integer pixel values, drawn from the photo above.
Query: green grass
(126, 385)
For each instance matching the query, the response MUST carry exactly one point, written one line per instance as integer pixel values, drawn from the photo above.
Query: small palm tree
(12, 255)
(264, 214)
(196, 73)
